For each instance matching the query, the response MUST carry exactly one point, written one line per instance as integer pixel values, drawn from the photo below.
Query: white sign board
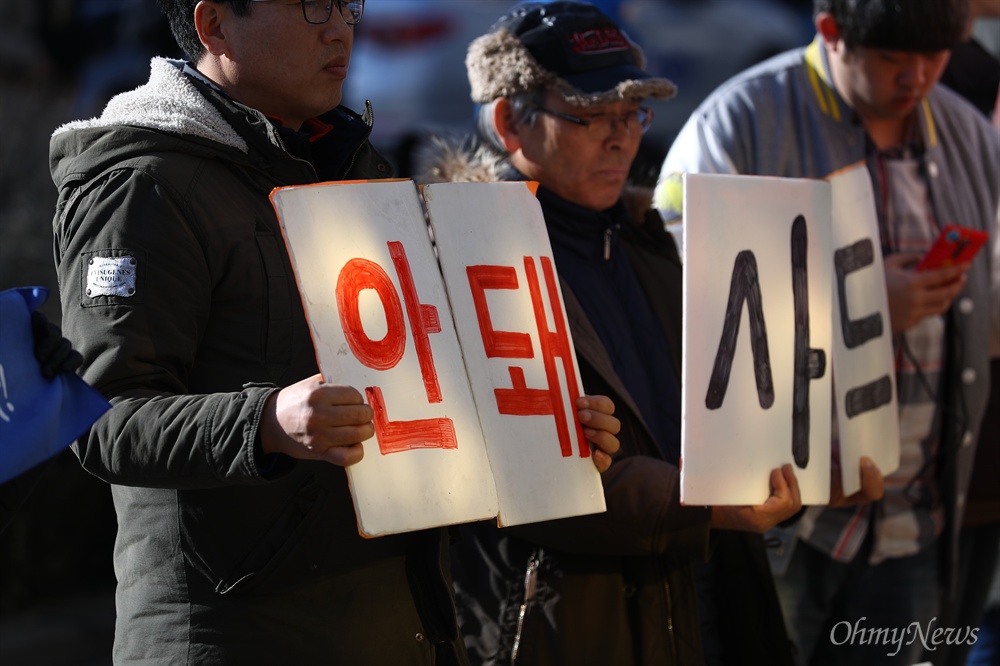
(381, 321)
(757, 337)
(379, 318)
(498, 268)
(864, 373)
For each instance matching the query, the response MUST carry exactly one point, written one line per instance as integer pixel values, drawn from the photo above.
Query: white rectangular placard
(380, 321)
(864, 375)
(498, 268)
(757, 337)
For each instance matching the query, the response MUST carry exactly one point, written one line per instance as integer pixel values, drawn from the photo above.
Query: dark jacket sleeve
(139, 349)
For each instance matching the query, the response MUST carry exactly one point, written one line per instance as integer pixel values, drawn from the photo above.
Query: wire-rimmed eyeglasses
(320, 11)
(605, 123)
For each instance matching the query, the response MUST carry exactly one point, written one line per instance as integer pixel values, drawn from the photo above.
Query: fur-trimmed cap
(568, 47)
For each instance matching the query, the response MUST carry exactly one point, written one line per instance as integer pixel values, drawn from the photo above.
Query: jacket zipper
(354, 156)
(608, 235)
(530, 585)
(670, 620)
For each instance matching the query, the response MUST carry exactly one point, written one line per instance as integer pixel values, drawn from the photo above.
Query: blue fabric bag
(38, 417)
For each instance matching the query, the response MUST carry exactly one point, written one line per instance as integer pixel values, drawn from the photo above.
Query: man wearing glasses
(560, 90)
(237, 538)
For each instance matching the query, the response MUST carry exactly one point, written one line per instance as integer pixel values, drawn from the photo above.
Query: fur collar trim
(453, 159)
(167, 102)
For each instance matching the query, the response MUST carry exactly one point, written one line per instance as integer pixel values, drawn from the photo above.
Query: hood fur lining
(168, 102)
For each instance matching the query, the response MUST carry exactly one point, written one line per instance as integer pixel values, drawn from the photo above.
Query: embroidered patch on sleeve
(111, 276)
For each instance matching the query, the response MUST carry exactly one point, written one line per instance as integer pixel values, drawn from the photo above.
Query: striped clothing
(910, 517)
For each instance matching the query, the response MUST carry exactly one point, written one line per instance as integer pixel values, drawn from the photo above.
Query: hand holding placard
(469, 368)
(312, 420)
(808, 281)
(784, 502)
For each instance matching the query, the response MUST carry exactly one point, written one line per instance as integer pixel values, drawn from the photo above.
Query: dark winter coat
(616, 588)
(223, 555)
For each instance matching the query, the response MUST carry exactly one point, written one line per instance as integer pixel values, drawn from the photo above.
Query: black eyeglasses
(320, 11)
(606, 123)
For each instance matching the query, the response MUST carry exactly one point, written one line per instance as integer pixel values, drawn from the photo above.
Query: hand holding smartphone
(955, 245)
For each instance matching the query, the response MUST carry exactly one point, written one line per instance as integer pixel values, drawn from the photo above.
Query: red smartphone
(955, 245)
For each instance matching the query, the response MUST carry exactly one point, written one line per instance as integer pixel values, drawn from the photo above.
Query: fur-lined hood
(169, 102)
(457, 159)
(179, 111)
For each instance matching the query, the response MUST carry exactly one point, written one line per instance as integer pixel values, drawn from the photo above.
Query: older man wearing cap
(561, 89)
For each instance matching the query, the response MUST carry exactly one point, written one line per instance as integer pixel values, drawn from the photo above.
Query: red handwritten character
(519, 400)
(423, 321)
(358, 275)
(397, 436)
(498, 344)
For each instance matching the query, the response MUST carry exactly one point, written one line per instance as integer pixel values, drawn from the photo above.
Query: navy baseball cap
(571, 47)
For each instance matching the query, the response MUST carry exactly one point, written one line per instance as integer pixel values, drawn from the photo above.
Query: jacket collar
(171, 102)
(834, 106)
(180, 100)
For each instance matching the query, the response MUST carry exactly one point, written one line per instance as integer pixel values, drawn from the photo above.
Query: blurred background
(409, 59)
(62, 59)
(59, 60)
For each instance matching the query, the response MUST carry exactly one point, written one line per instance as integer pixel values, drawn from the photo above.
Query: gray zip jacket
(785, 118)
